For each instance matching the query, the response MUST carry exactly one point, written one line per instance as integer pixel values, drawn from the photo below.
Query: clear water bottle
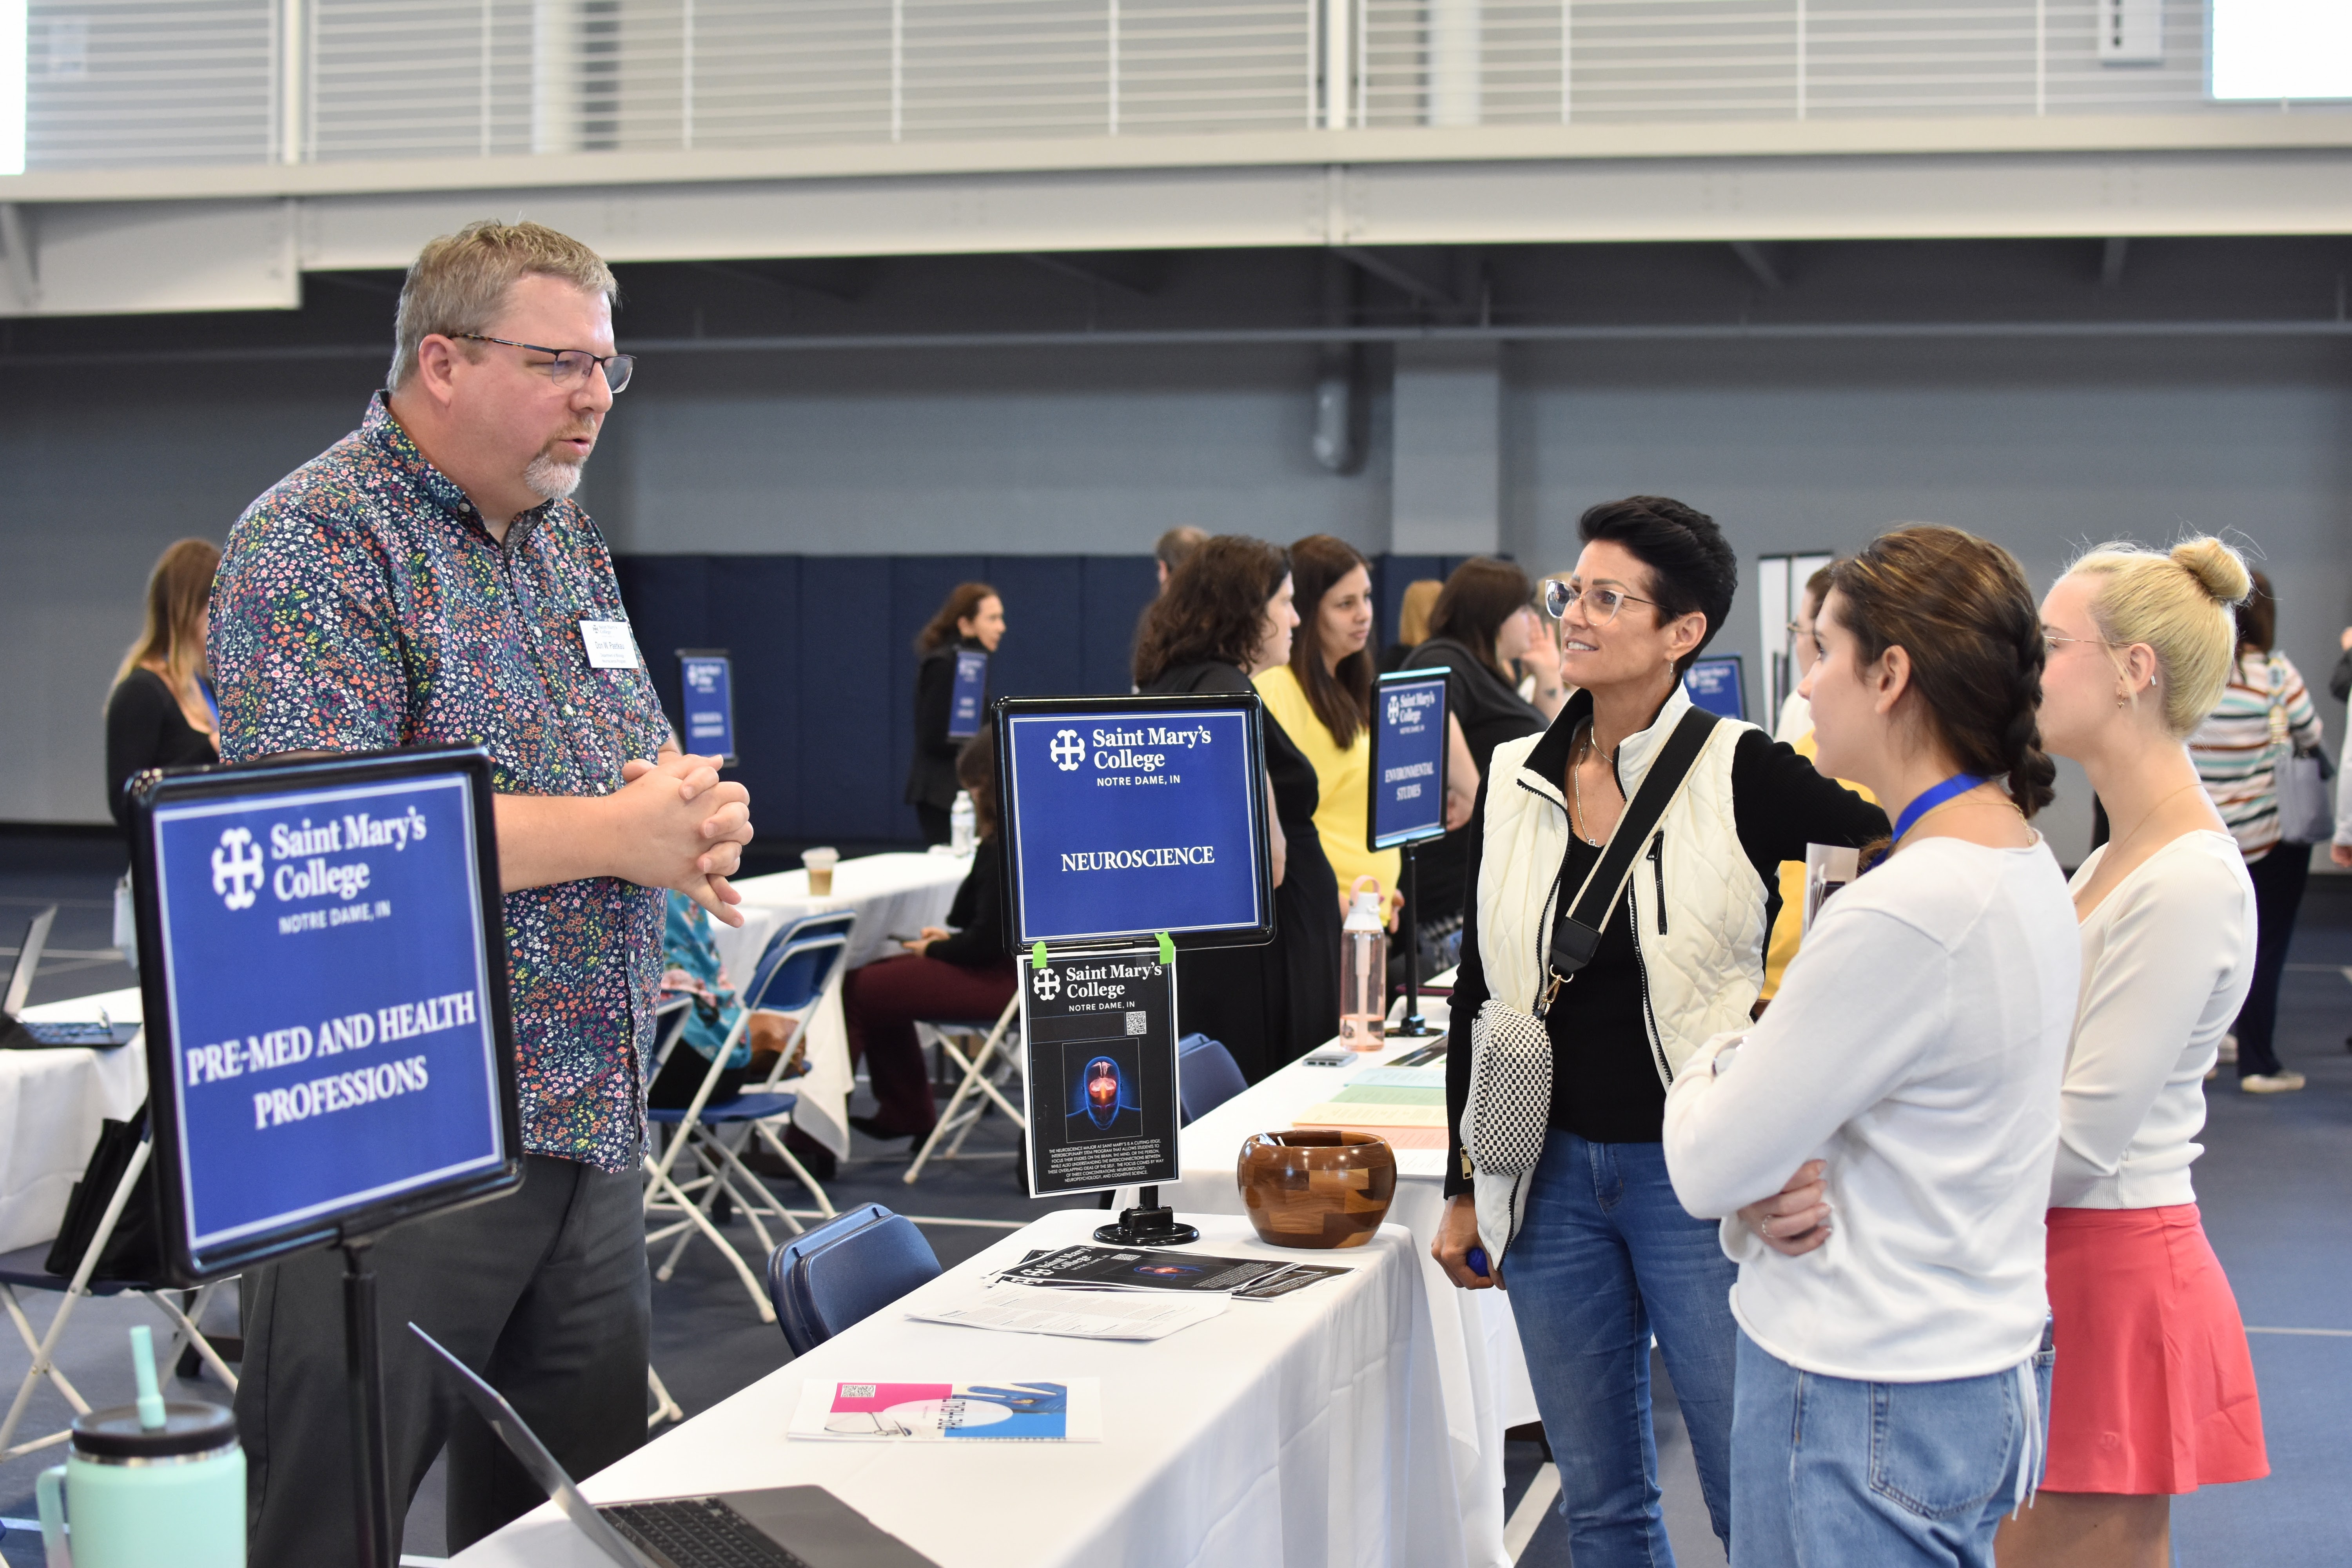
(963, 825)
(1364, 968)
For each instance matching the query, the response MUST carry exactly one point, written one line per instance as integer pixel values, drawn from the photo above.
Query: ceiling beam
(21, 271)
(2111, 252)
(1762, 261)
(840, 291)
(1139, 276)
(1398, 276)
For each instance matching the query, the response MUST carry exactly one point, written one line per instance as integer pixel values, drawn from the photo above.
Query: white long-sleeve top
(1916, 1045)
(2168, 956)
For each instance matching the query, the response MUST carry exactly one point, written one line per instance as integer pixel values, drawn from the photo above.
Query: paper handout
(1067, 1412)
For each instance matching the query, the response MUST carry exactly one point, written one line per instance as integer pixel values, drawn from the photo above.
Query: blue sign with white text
(333, 1038)
(1408, 758)
(1131, 823)
(1716, 685)
(707, 683)
(971, 694)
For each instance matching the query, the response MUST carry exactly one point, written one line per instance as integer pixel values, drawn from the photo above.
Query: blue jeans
(1830, 1471)
(1606, 1256)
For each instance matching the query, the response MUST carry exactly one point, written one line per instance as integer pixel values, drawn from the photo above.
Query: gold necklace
(1585, 748)
(2114, 848)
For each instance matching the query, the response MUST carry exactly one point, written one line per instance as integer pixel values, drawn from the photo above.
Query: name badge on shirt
(610, 646)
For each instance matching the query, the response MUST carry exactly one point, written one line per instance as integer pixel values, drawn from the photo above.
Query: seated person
(690, 968)
(965, 974)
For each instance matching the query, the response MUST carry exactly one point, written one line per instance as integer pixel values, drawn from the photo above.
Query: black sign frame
(1004, 709)
(154, 790)
(1444, 676)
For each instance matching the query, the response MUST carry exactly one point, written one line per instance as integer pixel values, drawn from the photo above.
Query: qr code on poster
(1136, 1023)
(856, 1391)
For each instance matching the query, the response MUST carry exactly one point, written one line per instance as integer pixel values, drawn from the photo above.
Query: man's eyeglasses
(1600, 604)
(569, 367)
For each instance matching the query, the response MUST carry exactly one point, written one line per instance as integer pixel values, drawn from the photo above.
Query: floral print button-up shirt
(361, 604)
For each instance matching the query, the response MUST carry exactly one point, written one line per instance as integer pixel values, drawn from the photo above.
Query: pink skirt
(2154, 1390)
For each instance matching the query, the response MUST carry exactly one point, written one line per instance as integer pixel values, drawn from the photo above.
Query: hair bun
(2220, 570)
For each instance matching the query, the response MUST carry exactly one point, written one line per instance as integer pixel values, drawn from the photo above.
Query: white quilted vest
(1696, 903)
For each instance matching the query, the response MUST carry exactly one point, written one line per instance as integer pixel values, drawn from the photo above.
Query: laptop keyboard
(699, 1532)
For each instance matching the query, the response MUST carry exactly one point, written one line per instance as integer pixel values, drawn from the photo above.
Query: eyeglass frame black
(599, 361)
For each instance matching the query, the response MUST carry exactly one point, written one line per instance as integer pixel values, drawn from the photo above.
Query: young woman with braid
(1890, 1296)
(2154, 1390)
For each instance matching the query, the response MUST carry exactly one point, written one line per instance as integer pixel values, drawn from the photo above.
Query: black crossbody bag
(1510, 1051)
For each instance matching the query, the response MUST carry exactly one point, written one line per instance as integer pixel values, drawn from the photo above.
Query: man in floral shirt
(426, 580)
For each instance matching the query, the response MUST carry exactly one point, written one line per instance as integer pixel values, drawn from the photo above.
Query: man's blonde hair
(2178, 605)
(459, 281)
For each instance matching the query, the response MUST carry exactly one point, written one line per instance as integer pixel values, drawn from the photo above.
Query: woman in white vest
(1888, 1404)
(2153, 1392)
(1587, 1236)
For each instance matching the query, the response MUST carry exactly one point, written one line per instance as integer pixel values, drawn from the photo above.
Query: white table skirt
(1483, 1373)
(894, 895)
(1304, 1432)
(51, 1102)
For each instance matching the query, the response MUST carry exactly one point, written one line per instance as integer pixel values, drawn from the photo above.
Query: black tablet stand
(1413, 1025)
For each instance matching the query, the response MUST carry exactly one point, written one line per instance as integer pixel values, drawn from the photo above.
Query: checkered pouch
(1511, 1090)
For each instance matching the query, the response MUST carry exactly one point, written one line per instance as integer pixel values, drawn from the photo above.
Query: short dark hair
(1482, 593)
(1693, 567)
(2257, 615)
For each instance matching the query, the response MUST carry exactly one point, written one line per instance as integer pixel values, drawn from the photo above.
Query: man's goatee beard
(551, 478)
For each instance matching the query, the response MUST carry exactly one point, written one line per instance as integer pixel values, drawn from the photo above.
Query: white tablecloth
(1481, 1371)
(1304, 1432)
(51, 1102)
(894, 895)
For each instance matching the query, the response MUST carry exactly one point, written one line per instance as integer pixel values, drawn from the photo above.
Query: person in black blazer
(160, 713)
(972, 618)
(1227, 613)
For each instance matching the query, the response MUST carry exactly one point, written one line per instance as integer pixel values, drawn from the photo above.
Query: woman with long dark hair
(160, 713)
(1598, 1253)
(1228, 614)
(1322, 698)
(1891, 1381)
(1484, 622)
(971, 619)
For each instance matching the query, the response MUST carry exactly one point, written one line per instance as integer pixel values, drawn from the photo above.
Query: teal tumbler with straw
(148, 1483)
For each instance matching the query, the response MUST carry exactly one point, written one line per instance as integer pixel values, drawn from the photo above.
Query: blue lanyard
(1957, 784)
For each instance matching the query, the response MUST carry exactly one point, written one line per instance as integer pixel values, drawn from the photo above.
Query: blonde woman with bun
(2154, 1390)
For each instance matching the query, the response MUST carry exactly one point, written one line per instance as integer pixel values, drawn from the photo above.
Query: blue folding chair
(1206, 1076)
(799, 963)
(844, 1271)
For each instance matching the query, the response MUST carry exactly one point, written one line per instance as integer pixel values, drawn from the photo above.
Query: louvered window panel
(109, 83)
(422, 79)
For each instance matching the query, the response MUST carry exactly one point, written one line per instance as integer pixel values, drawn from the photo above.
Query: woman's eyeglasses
(1600, 604)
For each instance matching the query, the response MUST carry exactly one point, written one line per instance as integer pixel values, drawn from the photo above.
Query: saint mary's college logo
(1046, 984)
(1068, 751)
(237, 868)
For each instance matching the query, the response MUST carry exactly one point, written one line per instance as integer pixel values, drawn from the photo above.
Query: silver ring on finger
(1765, 1229)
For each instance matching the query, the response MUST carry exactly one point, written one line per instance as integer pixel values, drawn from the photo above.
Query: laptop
(18, 1034)
(777, 1527)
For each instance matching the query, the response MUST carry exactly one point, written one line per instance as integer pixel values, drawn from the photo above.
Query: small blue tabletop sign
(1125, 816)
(706, 685)
(328, 1037)
(970, 697)
(1408, 761)
(1718, 686)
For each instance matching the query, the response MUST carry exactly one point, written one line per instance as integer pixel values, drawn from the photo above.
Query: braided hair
(1960, 608)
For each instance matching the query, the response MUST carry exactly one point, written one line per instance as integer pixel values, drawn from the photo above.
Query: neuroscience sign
(1127, 816)
(326, 1000)
(1099, 1029)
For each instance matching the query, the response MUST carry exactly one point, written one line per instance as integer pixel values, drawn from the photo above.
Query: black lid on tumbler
(189, 1426)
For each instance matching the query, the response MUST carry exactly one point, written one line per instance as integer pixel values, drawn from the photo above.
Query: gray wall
(2040, 445)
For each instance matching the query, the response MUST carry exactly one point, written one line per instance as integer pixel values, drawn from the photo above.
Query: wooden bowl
(1316, 1186)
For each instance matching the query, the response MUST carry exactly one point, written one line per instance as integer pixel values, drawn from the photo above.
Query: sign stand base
(1413, 1025)
(363, 1366)
(1149, 1224)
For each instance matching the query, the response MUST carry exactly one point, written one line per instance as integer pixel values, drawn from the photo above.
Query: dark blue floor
(2275, 1183)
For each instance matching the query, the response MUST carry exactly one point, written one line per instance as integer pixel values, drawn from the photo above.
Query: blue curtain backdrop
(825, 660)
